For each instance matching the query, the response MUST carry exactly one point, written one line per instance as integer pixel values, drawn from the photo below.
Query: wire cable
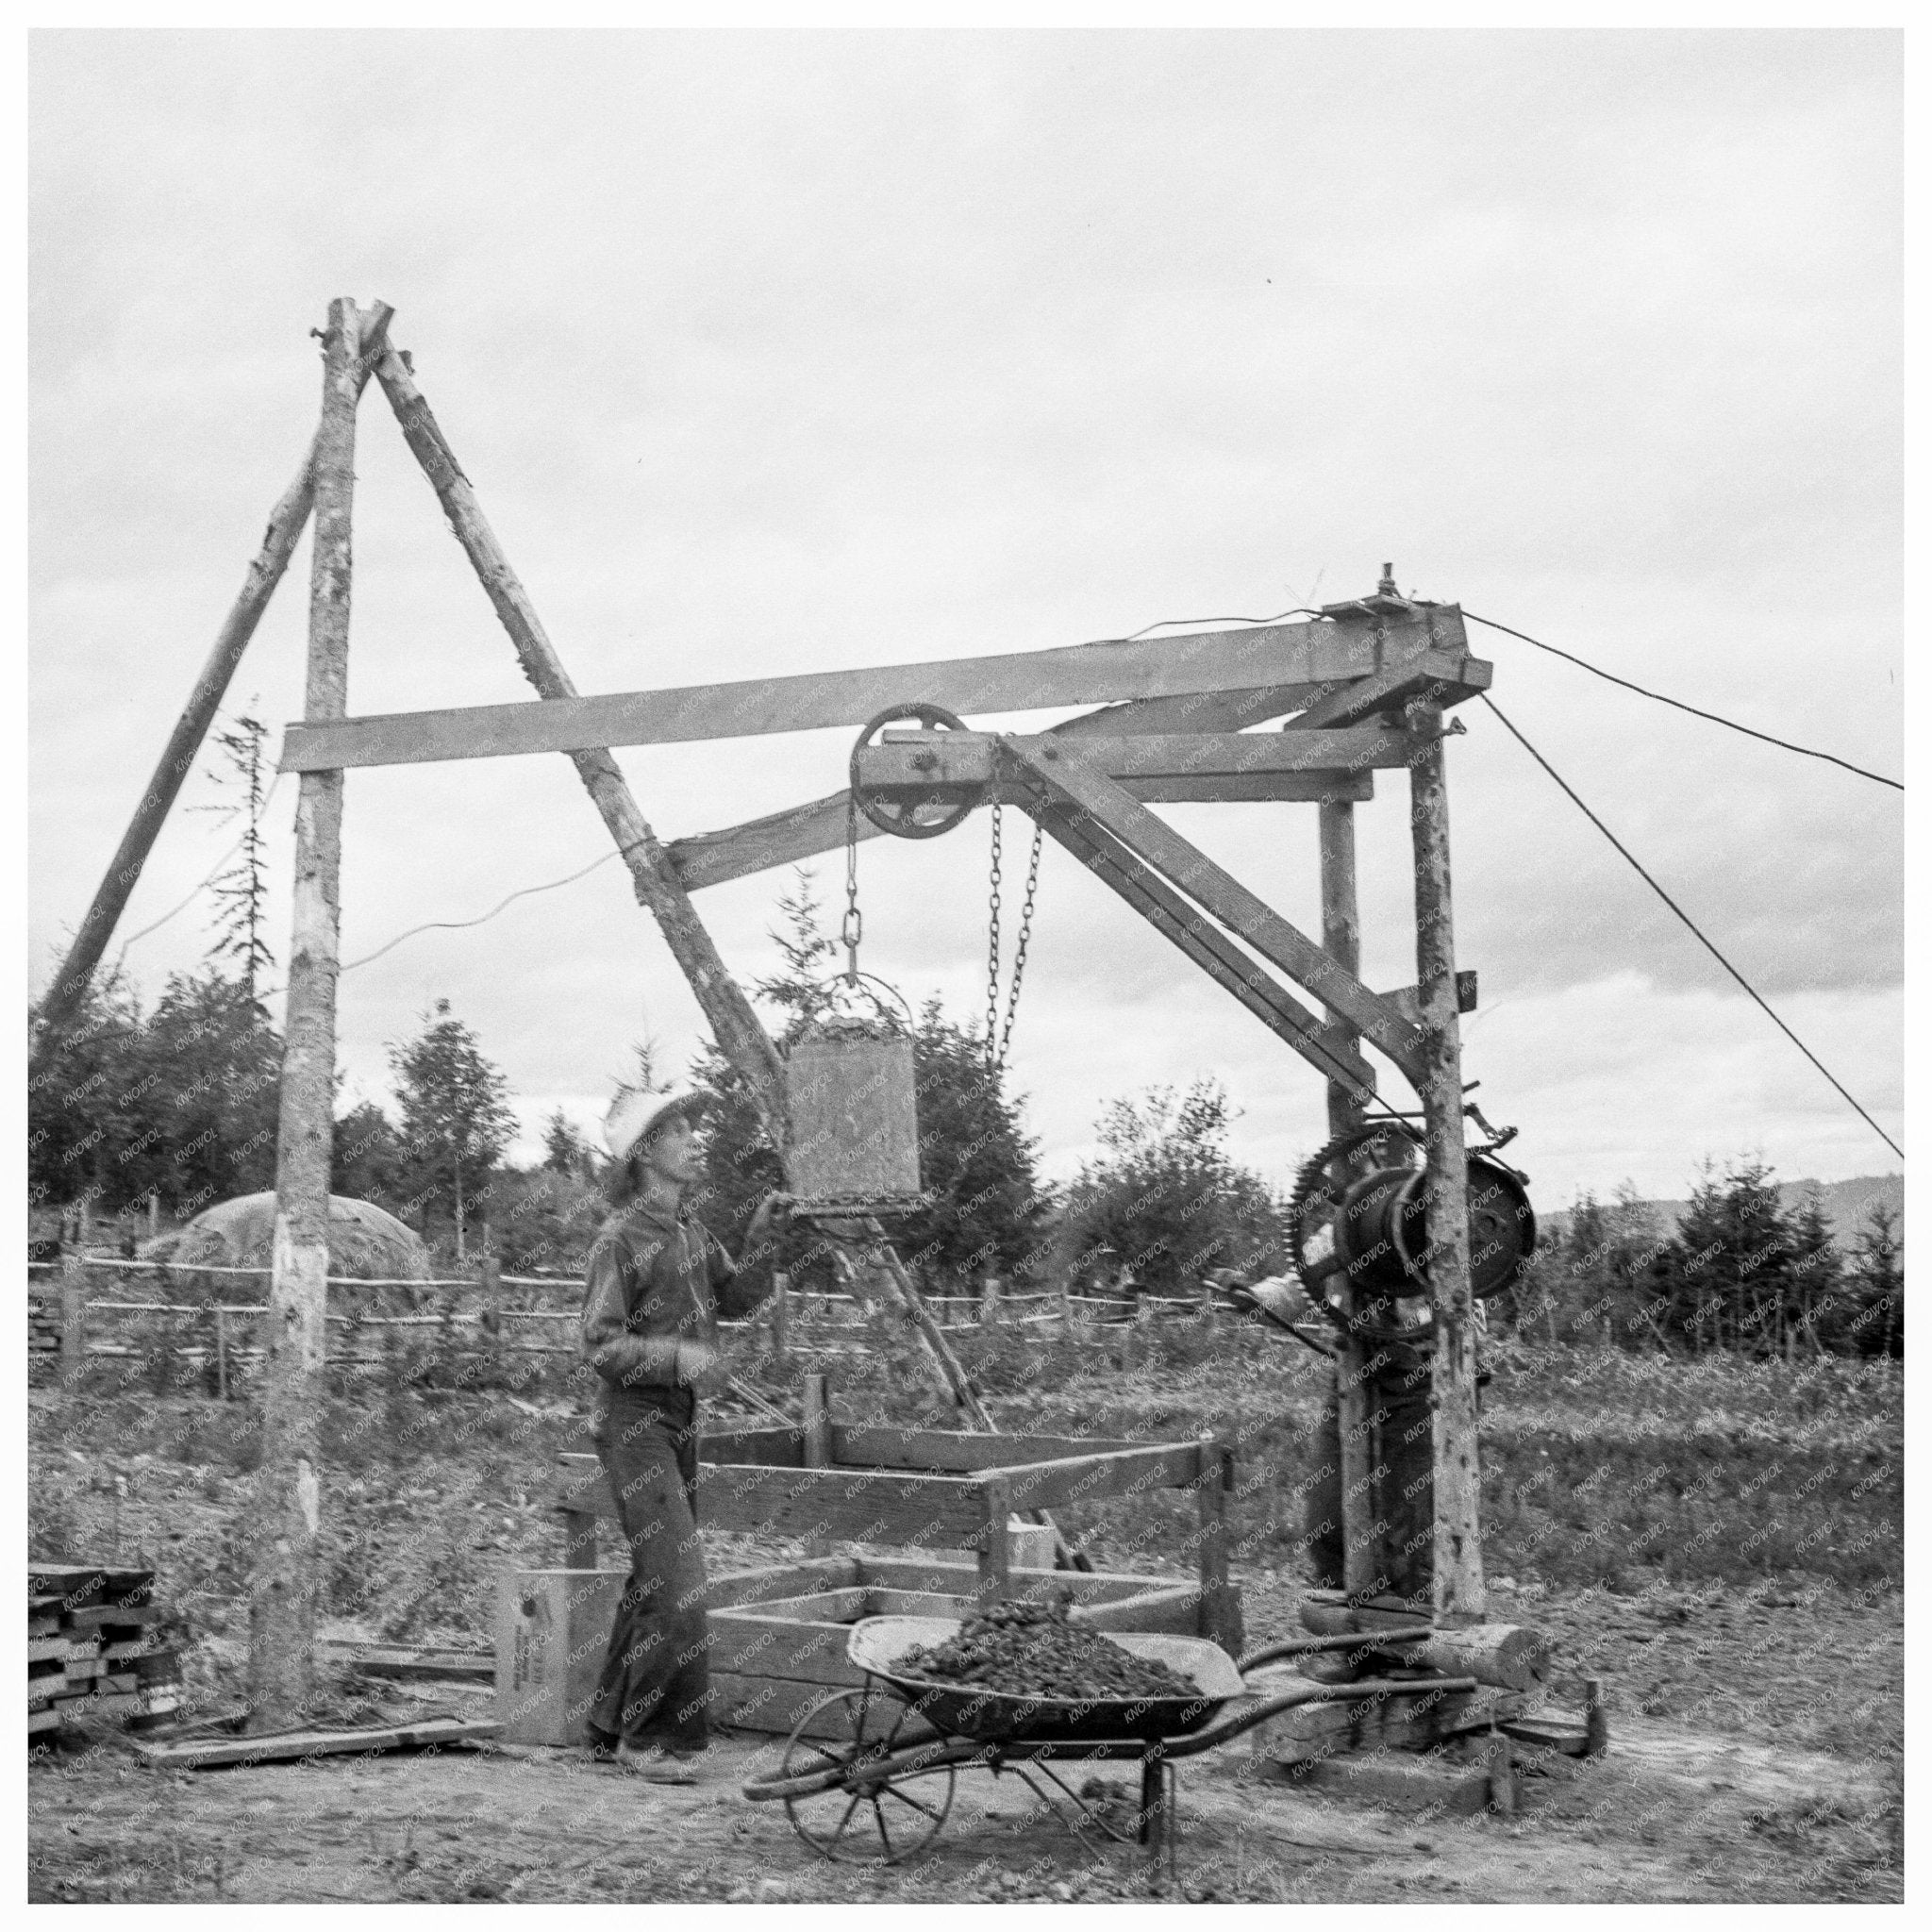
(1731, 723)
(1707, 945)
(483, 918)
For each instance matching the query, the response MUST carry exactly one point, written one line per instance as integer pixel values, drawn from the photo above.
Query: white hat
(634, 1113)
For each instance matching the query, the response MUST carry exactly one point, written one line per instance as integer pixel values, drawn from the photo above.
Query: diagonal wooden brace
(1216, 955)
(1067, 775)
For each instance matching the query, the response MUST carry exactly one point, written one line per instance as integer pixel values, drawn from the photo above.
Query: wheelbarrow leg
(1158, 1810)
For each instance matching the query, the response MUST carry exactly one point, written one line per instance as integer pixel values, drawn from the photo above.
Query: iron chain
(996, 1054)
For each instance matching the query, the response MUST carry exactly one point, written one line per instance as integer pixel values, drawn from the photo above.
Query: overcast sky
(770, 353)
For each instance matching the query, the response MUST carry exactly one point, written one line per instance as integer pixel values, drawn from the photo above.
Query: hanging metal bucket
(855, 1127)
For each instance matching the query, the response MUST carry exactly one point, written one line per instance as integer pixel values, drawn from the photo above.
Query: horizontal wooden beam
(1314, 652)
(791, 837)
(1441, 675)
(1067, 1480)
(950, 1450)
(916, 760)
(1210, 949)
(1190, 870)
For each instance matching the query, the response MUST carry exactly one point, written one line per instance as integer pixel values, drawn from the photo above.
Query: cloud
(780, 353)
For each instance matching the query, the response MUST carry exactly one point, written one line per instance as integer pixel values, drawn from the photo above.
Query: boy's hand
(701, 1367)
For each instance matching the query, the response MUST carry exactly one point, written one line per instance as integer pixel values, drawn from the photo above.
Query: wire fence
(80, 1308)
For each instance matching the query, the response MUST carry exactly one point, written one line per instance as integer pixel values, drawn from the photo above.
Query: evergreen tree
(1879, 1328)
(566, 1149)
(1816, 1275)
(1729, 1271)
(242, 892)
(368, 1162)
(1164, 1202)
(456, 1122)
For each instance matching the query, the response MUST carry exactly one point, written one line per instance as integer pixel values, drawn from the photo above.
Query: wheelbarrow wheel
(865, 1820)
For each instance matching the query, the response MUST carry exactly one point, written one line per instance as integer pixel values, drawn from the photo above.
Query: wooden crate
(778, 1635)
(929, 1489)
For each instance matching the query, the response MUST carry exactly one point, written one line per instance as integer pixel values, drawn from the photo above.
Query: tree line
(180, 1100)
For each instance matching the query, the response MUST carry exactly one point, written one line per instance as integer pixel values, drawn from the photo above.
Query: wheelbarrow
(868, 1774)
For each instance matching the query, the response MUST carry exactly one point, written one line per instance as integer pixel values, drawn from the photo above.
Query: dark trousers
(1402, 1494)
(656, 1686)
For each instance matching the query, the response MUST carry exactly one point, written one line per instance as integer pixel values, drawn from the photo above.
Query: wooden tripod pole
(1459, 1593)
(184, 743)
(288, 1486)
(742, 1039)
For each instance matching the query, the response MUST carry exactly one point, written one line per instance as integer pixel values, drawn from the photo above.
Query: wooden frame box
(929, 1489)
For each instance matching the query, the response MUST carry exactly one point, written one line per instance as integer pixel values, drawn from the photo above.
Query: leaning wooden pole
(288, 1493)
(739, 1036)
(1355, 1432)
(1459, 1566)
(285, 525)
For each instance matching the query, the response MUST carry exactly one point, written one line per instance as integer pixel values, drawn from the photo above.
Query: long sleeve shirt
(653, 1281)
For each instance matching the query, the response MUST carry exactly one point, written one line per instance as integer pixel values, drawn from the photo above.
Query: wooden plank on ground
(402, 1663)
(1315, 652)
(279, 1747)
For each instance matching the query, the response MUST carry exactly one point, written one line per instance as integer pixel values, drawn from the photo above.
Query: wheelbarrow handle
(1228, 1728)
(1349, 1640)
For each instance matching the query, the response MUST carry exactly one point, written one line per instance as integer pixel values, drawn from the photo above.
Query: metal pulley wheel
(913, 811)
(1358, 1229)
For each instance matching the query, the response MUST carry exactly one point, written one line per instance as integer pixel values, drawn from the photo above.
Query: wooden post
(817, 1432)
(288, 1493)
(184, 744)
(490, 1280)
(1342, 940)
(995, 1555)
(781, 1316)
(1220, 1616)
(72, 1314)
(1459, 1579)
(1596, 1719)
(220, 1352)
(154, 1214)
(990, 1302)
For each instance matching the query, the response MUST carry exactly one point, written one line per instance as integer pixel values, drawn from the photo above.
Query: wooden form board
(1315, 653)
(888, 1505)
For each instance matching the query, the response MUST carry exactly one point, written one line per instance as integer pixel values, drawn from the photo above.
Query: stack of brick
(96, 1647)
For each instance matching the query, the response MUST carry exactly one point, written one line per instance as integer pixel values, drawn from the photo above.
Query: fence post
(990, 1302)
(220, 1352)
(154, 1213)
(818, 1422)
(1206, 1304)
(781, 1315)
(73, 1311)
(490, 1274)
(1066, 1313)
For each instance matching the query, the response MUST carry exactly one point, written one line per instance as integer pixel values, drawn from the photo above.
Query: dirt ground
(1744, 1803)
